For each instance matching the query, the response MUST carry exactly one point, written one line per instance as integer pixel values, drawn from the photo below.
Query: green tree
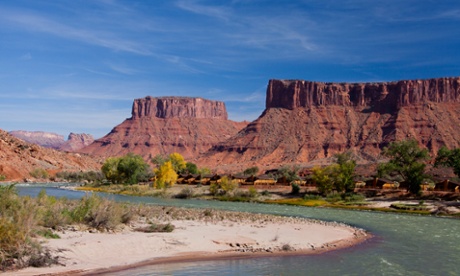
(291, 174)
(129, 169)
(110, 169)
(158, 160)
(132, 169)
(204, 170)
(177, 162)
(343, 172)
(223, 187)
(323, 180)
(405, 160)
(191, 168)
(165, 176)
(251, 171)
(448, 158)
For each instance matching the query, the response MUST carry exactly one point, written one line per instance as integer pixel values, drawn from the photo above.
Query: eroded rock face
(165, 125)
(178, 107)
(293, 94)
(77, 141)
(306, 121)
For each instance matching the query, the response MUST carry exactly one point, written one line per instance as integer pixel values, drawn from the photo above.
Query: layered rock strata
(189, 126)
(305, 121)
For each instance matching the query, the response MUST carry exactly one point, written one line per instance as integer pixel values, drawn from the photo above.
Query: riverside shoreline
(220, 236)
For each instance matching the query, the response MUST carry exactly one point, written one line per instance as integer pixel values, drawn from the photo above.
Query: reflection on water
(404, 244)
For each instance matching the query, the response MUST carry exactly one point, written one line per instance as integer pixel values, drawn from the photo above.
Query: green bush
(2, 177)
(311, 197)
(39, 173)
(295, 189)
(185, 193)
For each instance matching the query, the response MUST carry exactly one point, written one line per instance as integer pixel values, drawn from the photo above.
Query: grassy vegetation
(22, 219)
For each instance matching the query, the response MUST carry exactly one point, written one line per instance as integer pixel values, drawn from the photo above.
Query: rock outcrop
(19, 158)
(382, 97)
(77, 141)
(53, 140)
(305, 121)
(189, 126)
(178, 107)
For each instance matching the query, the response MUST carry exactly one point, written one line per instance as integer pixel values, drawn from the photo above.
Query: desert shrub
(39, 173)
(311, 197)
(157, 227)
(47, 233)
(2, 177)
(334, 197)
(295, 189)
(252, 192)
(351, 197)
(16, 225)
(100, 213)
(90, 176)
(265, 193)
(226, 186)
(185, 193)
(51, 211)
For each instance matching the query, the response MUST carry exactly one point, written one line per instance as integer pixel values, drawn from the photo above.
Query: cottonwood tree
(343, 172)
(165, 176)
(406, 160)
(129, 169)
(448, 158)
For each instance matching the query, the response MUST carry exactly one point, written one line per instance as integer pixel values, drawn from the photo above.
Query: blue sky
(76, 66)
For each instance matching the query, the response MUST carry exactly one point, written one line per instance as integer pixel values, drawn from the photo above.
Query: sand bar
(83, 252)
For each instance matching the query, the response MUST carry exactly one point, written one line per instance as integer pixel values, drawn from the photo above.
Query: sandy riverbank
(82, 252)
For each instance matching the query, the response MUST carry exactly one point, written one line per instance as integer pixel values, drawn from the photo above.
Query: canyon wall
(189, 126)
(178, 107)
(305, 122)
(382, 96)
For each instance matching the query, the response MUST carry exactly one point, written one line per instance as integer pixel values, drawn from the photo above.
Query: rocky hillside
(19, 158)
(189, 126)
(53, 140)
(306, 121)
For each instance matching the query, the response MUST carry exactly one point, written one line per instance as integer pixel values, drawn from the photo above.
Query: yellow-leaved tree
(178, 162)
(165, 176)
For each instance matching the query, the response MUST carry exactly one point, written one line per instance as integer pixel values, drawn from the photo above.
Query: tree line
(406, 161)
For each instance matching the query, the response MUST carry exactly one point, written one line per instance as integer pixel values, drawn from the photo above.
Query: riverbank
(198, 235)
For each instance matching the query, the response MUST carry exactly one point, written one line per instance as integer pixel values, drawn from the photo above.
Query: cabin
(447, 186)
(265, 180)
(302, 181)
(378, 183)
(241, 179)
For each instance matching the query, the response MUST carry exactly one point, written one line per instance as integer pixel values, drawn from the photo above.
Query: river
(403, 244)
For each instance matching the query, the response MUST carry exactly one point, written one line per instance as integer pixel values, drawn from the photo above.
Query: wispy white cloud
(211, 11)
(26, 56)
(126, 70)
(89, 35)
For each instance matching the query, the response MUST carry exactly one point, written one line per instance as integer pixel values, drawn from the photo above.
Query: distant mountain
(53, 140)
(164, 125)
(19, 158)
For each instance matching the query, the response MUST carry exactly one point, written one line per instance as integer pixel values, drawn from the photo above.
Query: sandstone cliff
(77, 141)
(19, 158)
(306, 121)
(385, 96)
(165, 125)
